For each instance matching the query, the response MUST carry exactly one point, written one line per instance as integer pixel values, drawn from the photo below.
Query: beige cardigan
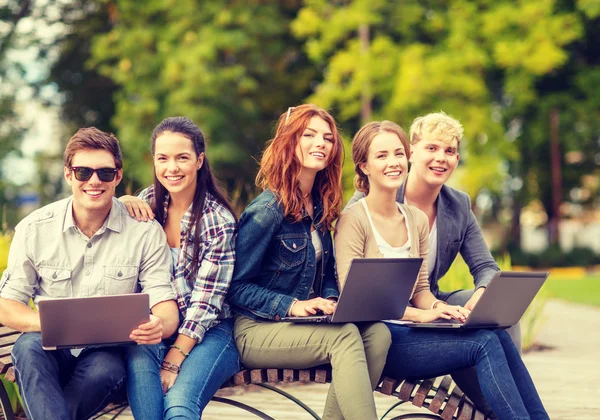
(354, 238)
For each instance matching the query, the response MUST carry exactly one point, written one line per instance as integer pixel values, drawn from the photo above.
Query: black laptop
(505, 300)
(91, 321)
(375, 289)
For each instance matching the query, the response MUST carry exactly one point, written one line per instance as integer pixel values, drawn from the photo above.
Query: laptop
(375, 289)
(91, 321)
(502, 305)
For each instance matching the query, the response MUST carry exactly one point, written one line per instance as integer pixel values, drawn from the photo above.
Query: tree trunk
(555, 167)
(366, 95)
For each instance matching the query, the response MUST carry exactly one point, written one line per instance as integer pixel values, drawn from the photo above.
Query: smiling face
(176, 164)
(315, 145)
(433, 161)
(93, 195)
(386, 164)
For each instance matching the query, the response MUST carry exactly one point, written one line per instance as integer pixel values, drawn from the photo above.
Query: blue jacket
(457, 231)
(275, 260)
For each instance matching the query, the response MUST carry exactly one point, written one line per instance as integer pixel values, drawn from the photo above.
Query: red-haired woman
(285, 267)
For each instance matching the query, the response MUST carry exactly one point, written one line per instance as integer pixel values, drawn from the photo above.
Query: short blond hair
(439, 125)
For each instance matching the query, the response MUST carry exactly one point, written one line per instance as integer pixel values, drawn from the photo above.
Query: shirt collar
(113, 222)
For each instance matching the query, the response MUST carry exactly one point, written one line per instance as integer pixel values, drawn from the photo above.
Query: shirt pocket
(56, 282)
(292, 250)
(120, 279)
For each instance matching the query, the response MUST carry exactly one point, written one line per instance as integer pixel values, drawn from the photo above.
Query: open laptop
(91, 321)
(502, 305)
(375, 289)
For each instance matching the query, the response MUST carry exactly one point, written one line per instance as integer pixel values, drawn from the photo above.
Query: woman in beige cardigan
(378, 226)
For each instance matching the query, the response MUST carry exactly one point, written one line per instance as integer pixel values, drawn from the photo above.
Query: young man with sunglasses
(69, 249)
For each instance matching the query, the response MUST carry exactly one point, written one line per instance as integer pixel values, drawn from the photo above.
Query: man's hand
(149, 332)
(474, 299)
(311, 306)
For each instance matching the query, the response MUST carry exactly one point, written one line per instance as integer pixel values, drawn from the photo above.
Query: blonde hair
(362, 141)
(439, 125)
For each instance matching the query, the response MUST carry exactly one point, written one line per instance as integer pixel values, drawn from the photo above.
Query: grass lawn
(580, 290)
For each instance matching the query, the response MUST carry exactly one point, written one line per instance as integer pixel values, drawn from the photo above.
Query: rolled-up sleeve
(211, 284)
(155, 267)
(20, 280)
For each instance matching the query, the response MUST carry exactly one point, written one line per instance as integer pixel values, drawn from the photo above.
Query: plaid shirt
(201, 298)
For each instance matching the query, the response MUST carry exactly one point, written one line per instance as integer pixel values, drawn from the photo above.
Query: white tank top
(385, 248)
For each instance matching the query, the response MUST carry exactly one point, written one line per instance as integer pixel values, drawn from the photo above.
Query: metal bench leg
(5, 403)
(243, 406)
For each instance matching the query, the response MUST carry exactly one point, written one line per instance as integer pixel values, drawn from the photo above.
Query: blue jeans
(57, 385)
(208, 366)
(503, 377)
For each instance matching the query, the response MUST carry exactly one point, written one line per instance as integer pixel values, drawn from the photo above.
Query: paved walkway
(567, 377)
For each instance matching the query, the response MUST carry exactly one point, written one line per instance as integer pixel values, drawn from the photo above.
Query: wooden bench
(440, 396)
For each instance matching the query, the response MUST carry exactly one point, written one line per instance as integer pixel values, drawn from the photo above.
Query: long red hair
(280, 167)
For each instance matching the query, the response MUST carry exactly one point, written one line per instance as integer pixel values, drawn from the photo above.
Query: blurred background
(522, 76)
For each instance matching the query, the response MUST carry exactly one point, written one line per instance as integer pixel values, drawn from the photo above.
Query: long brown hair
(206, 182)
(280, 167)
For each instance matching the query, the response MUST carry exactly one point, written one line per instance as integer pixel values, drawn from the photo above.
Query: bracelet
(435, 303)
(175, 346)
(170, 367)
(289, 312)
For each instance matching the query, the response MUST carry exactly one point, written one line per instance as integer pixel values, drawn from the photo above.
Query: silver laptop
(502, 305)
(375, 289)
(92, 321)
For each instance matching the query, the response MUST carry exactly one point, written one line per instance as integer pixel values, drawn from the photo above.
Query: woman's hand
(167, 379)
(445, 312)
(311, 306)
(137, 208)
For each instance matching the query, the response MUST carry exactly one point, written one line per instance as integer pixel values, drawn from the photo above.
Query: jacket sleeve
(330, 283)
(350, 241)
(257, 227)
(476, 254)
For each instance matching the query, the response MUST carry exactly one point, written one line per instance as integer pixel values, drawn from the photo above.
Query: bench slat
(241, 378)
(258, 376)
(290, 375)
(7, 331)
(422, 392)
(440, 395)
(9, 339)
(274, 375)
(322, 376)
(389, 385)
(5, 351)
(455, 399)
(465, 412)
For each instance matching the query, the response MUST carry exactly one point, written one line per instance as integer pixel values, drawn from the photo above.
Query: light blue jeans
(208, 366)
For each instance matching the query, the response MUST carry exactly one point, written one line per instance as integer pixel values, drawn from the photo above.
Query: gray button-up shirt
(51, 258)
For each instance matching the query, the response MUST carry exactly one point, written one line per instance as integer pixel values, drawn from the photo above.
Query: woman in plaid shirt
(179, 376)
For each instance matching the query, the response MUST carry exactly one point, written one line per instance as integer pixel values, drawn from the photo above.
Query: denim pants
(57, 385)
(502, 375)
(208, 366)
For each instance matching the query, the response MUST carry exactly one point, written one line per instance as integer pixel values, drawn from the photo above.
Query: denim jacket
(275, 260)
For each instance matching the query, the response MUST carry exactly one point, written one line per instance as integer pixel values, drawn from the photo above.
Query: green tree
(231, 66)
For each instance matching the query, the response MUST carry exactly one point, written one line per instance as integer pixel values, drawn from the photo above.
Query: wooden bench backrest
(8, 337)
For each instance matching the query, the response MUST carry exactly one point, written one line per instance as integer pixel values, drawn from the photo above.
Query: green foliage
(584, 290)
(5, 239)
(554, 256)
(13, 393)
(232, 67)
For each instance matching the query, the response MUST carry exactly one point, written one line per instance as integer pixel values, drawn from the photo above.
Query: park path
(567, 376)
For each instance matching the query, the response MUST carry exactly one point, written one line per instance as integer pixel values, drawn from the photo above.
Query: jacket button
(119, 274)
(54, 275)
(294, 245)
(277, 317)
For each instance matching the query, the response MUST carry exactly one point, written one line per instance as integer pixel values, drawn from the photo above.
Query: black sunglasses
(83, 173)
